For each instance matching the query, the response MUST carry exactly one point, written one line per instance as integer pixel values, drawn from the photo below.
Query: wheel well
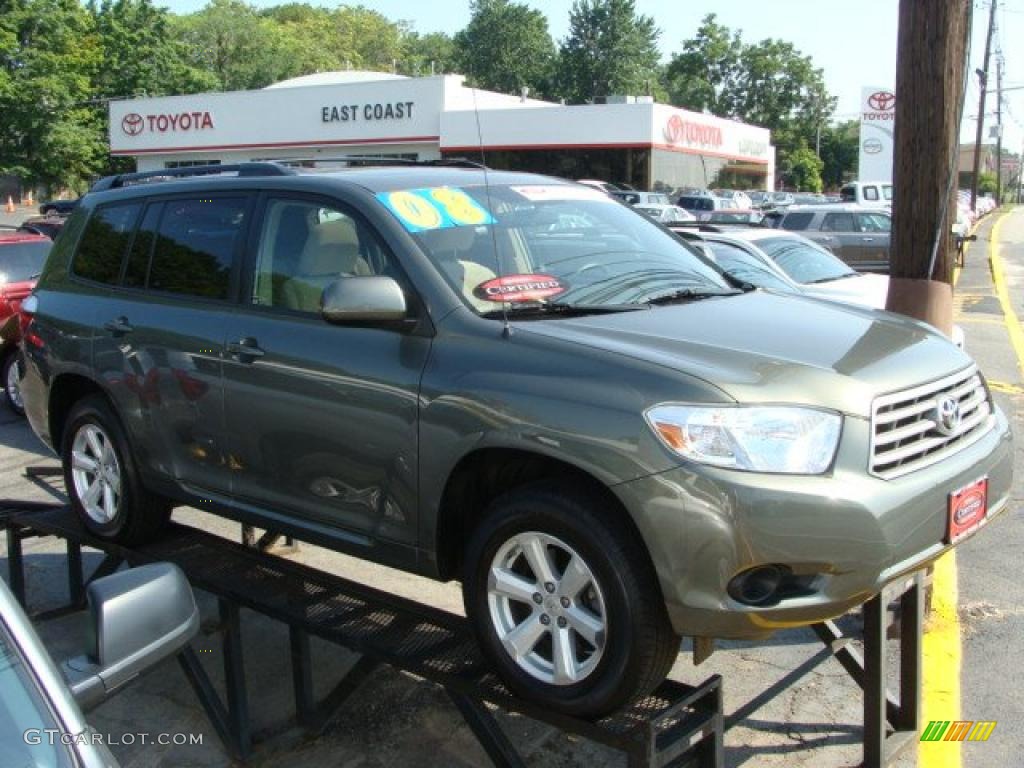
(65, 391)
(484, 475)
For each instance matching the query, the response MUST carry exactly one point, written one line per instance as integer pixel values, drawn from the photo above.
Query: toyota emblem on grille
(947, 415)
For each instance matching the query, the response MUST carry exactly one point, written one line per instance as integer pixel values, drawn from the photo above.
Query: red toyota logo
(883, 101)
(132, 124)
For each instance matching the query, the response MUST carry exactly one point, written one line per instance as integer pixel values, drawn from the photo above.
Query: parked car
(605, 186)
(701, 204)
(22, 255)
(871, 194)
(636, 197)
(816, 271)
(139, 617)
(666, 214)
(739, 199)
(50, 225)
(857, 235)
(607, 439)
(733, 217)
(58, 207)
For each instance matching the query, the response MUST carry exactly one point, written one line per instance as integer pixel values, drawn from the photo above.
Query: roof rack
(167, 174)
(372, 160)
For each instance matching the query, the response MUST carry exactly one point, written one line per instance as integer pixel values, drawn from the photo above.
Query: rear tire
(101, 478)
(599, 635)
(10, 371)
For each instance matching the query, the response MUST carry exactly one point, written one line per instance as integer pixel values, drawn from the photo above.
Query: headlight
(763, 438)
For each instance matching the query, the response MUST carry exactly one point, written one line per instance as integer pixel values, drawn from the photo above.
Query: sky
(853, 42)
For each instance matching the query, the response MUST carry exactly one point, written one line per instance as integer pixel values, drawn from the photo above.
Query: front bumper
(852, 532)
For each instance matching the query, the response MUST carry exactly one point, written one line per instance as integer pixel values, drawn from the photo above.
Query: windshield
(522, 244)
(22, 261)
(747, 267)
(24, 715)
(803, 261)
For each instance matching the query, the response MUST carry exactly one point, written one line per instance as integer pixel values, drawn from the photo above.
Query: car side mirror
(373, 299)
(139, 617)
(972, 238)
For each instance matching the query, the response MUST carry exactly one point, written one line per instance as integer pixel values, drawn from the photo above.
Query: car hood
(770, 348)
(864, 290)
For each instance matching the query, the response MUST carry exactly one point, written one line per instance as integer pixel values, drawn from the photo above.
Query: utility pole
(981, 105)
(999, 126)
(930, 65)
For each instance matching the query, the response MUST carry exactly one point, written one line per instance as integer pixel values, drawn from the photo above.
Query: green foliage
(505, 47)
(610, 49)
(840, 152)
(49, 56)
(704, 75)
(424, 54)
(802, 170)
(769, 83)
(986, 183)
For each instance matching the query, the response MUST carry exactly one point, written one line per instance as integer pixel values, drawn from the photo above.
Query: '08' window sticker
(428, 208)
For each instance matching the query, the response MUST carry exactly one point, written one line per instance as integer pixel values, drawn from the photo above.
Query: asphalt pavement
(396, 720)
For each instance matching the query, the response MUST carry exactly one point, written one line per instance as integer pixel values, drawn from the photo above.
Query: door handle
(245, 348)
(867, 239)
(119, 326)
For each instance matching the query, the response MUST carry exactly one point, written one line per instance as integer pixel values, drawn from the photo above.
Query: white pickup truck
(870, 194)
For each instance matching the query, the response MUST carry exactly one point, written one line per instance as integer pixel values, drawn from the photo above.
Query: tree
(433, 53)
(769, 83)
(840, 152)
(704, 74)
(803, 170)
(505, 47)
(49, 56)
(610, 49)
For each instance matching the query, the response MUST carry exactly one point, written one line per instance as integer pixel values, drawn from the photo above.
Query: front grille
(905, 433)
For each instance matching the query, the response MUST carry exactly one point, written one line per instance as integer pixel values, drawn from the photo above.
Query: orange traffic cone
(29, 202)
(10, 205)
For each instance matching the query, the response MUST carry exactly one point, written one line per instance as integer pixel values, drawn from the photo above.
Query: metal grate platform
(676, 725)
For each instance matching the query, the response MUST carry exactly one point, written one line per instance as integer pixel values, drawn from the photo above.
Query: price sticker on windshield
(428, 208)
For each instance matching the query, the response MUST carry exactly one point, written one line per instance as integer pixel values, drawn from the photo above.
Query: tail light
(26, 314)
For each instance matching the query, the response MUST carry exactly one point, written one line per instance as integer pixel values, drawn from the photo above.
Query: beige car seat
(332, 251)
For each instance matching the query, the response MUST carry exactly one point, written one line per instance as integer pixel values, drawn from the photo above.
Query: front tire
(101, 478)
(565, 603)
(11, 373)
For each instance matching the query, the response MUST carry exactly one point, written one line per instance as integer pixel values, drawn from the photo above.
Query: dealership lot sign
(877, 116)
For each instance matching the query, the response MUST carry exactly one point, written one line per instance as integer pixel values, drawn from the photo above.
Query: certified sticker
(435, 208)
(515, 288)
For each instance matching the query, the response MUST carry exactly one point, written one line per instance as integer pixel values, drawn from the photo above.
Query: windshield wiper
(687, 294)
(554, 308)
(834, 277)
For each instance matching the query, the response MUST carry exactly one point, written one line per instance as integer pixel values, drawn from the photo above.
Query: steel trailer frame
(677, 725)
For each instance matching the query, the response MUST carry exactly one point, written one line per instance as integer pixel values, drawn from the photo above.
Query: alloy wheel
(547, 608)
(96, 473)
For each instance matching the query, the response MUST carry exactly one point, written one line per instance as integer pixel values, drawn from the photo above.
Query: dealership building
(632, 140)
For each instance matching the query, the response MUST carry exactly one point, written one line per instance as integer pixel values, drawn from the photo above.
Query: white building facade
(638, 142)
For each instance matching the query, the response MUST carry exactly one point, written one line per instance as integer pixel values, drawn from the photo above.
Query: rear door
(322, 417)
(839, 234)
(875, 233)
(161, 336)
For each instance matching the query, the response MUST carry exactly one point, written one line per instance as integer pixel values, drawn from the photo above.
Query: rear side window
(195, 246)
(104, 243)
(797, 222)
(870, 193)
(838, 222)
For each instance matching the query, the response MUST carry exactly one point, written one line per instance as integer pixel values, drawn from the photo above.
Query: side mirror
(972, 238)
(374, 299)
(139, 617)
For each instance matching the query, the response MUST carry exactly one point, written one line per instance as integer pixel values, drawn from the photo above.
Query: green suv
(509, 380)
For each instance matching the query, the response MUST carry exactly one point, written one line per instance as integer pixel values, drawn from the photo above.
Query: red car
(22, 255)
